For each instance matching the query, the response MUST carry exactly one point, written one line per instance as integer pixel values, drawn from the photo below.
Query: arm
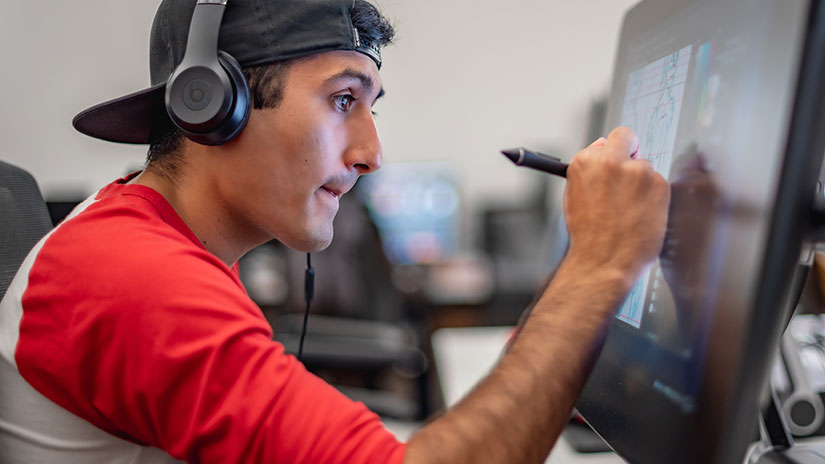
(616, 211)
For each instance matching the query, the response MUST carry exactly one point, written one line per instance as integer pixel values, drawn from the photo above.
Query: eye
(344, 102)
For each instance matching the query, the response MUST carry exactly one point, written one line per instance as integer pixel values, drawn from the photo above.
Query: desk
(464, 356)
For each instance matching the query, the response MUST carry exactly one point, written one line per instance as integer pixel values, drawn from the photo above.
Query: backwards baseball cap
(254, 32)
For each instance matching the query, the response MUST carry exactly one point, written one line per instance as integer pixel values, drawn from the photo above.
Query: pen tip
(512, 154)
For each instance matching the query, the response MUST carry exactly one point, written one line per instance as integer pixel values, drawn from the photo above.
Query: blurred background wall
(465, 78)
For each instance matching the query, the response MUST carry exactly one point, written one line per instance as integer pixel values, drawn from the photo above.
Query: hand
(615, 206)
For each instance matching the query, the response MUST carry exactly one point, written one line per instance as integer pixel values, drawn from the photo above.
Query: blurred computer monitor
(726, 97)
(416, 209)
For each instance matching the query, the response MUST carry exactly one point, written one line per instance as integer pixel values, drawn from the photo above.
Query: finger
(598, 142)
(622, 142)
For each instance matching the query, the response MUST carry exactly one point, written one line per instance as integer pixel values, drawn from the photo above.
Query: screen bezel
(727, 406)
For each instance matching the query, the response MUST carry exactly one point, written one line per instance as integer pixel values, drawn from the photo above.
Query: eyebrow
(350, 73)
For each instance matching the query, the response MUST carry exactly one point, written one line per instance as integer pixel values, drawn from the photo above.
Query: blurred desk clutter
(798, 375)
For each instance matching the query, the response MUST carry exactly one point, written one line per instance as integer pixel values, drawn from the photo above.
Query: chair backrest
(24, 219)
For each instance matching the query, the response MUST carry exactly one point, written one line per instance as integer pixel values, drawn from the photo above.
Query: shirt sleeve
(178, 357)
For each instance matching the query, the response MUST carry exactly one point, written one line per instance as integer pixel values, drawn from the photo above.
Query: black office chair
(25, 220)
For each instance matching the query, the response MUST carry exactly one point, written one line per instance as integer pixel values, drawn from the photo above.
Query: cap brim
(133, 118)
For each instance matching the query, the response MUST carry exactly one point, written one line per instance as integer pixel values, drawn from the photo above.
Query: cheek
(289, 154)
(319, 144)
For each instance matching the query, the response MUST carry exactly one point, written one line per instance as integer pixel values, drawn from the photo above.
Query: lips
(334, 192)
(338, 188)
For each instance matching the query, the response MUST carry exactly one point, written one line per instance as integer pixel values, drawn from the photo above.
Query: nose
(366, 154)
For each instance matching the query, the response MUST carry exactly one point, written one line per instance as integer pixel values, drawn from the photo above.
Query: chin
(317, 246)
(310, 242)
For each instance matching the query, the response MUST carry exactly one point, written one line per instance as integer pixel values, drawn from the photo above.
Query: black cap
(254, 32)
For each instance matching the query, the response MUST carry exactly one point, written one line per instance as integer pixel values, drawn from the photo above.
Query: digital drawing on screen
(652, 102)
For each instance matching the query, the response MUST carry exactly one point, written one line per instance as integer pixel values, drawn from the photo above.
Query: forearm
(518, 411)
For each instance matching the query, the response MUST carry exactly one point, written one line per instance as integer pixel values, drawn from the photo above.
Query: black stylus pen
(536, 160)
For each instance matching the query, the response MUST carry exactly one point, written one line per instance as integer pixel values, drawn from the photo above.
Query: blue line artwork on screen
(652, 102)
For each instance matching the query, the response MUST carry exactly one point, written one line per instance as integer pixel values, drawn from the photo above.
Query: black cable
(309, 290)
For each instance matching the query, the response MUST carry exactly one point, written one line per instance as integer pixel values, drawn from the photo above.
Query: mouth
(332, 191)
(338, 187)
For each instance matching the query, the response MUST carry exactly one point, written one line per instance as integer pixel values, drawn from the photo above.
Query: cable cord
(309, 290)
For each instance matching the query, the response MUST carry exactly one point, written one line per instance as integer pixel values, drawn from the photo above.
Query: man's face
(287, 170)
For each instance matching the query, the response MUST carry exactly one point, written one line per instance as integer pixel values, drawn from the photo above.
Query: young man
(128, 337)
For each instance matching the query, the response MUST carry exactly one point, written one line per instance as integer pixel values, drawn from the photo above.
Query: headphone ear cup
(224, 87)
(238, 115)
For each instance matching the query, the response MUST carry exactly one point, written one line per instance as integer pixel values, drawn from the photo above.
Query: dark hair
(266, 86)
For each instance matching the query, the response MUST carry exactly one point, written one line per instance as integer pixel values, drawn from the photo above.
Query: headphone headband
(202, 44)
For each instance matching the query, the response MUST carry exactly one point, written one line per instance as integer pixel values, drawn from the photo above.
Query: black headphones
(207, 96)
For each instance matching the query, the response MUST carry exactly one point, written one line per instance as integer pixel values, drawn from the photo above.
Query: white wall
(59, 57)
(465, 78)
(469, 77)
